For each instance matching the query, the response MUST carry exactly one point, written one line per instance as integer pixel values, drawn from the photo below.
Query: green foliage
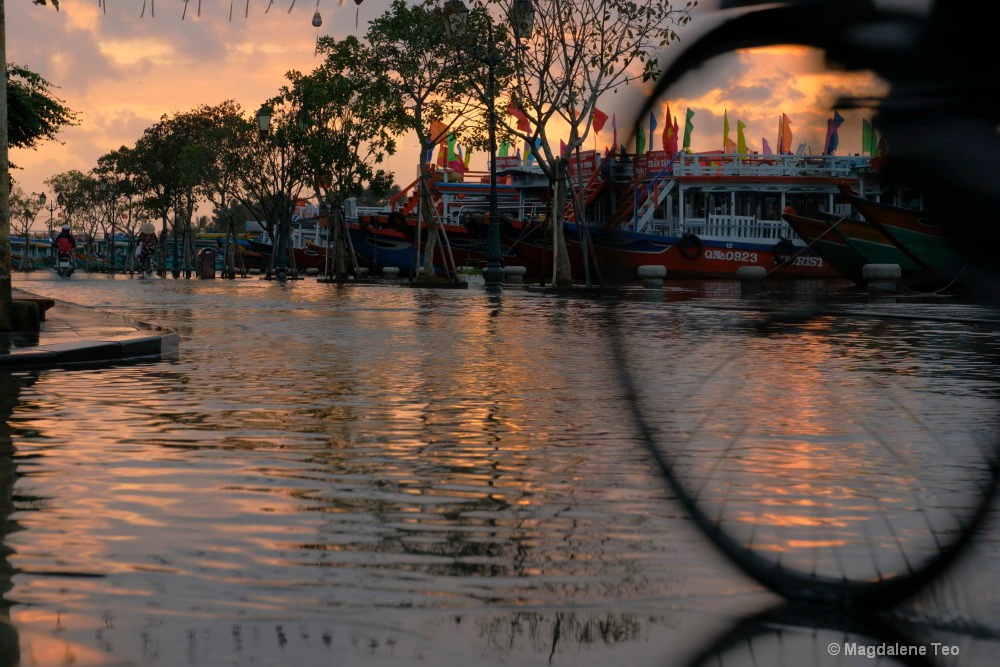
(33, 112)
(346, 119)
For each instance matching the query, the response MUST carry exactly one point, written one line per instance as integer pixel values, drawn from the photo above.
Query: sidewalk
(72, 335)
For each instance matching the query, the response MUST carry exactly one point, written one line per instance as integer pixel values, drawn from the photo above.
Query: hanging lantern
(317, 19)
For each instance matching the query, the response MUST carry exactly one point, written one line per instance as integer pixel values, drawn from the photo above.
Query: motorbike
(64, 265)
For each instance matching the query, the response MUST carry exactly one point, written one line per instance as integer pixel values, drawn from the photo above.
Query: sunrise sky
(121, 72)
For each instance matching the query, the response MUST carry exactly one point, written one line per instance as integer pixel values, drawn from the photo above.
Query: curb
(95, 338)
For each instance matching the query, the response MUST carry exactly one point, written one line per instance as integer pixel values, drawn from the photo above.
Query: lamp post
(522, 16)
(281, 241)
(52, 207)
(110, 194)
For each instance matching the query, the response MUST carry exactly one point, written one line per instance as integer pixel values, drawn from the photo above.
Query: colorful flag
(725, 131)
(614, 132)
(867, 137)
(452, 143)
(467, 158)
(504, 149)
(438, 131)
(741, 141)
(442, 156)
(652, 129)
(765, 147)
(878, 160)
(523, 123)
(640, 140)
(600, 118)
(784, 135)
(832, 125)
(688, 129)
(670, 133)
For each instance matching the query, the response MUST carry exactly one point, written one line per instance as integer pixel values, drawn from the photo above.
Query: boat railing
(738, 227)
(719, 164)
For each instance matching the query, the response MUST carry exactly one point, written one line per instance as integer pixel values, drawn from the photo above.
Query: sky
(122, 70)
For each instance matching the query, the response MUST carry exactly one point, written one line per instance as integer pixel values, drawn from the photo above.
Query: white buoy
(514, 275)
(652, 275)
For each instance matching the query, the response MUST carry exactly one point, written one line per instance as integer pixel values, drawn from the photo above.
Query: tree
(577, 52)
(408, 46)
(347, 119)
(118, 170)
(34, 113)
(24, 210)
(6, 301)
(230, 135)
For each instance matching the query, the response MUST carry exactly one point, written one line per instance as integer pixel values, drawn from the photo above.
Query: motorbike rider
(147, 242)
(65, 242)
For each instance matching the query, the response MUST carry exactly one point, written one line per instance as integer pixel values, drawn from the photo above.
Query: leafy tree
(34, 113)
(118, 170)
(229, 134)
(577, 52)
(347, 119)
(274, 175)
(24, 210)
(408, 45)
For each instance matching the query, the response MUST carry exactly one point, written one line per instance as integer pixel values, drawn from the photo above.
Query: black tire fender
(783, 251)
(690, 246)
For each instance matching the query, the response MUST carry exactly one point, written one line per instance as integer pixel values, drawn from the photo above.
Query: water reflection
(319, 457)
(10, 389)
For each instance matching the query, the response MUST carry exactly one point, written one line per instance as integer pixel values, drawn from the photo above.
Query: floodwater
(372, 475)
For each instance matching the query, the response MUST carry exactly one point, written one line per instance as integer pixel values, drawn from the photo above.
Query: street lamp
(52, 207)
(281, 242)
(109, 190)
(456, 16)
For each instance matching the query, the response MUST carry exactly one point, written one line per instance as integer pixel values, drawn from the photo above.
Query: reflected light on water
(332, 455)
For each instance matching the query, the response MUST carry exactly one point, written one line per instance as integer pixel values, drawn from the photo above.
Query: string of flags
(453, 156)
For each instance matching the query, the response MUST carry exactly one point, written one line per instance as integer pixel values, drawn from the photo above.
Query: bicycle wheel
(820, 475)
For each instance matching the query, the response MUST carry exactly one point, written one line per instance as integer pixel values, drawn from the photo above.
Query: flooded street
(373, 475)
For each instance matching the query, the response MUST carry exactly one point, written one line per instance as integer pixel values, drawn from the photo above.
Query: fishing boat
(827, 239)
(923, 239)
(702, 215)
(699, 215)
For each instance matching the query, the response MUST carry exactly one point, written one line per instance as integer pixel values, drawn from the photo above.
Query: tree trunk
(563, 269)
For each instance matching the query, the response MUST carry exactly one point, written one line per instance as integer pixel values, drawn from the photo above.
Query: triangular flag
(785, 135)
(725, 132)
(640, 140)
(741, 141)
(614, 131)
(688, 129)
(765, 147)
(669, 133)
(652, 129)
(523, 123)
(832, 140)
(438, 131)
(867, 137)
(600, 118)
(504, 149)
